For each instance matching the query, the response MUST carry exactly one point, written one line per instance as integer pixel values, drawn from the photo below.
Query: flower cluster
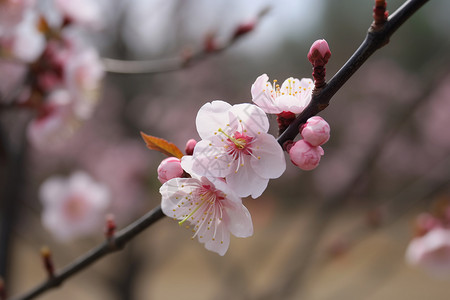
(430, 248)
(306, 153)
(236, 157)
(63, 75)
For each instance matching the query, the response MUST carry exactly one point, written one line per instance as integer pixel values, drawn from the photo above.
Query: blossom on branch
(210, 206)
(293, 95)
(235, 145)
(73, 207)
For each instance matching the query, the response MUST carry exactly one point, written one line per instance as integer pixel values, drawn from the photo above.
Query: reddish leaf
(161, 145)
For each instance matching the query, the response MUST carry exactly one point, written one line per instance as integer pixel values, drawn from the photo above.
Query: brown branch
(186, 58)
(111, 245)
(372, 42)
(306, 250)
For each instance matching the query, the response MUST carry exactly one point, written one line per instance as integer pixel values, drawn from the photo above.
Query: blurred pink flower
(235, 145)
(24, 41)
(316, 131)
(55, 121)
(169, 168)
(305, 156)
(83, 77)
(293, 96)
(70, 75)
(431, 251)
(12, 12)
(210, 206)
(73, 207)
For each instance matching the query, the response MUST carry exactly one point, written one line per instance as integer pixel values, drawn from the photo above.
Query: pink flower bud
(305, 156)
(169, 168)
(190, 145)
(319, 53)
(316, 131)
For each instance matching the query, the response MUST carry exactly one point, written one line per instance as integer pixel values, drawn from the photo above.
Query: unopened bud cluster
(306, 153)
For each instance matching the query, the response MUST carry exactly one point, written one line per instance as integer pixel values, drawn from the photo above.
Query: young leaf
(161, 145)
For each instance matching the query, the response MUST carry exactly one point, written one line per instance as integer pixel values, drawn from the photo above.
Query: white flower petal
(253, 118)
(262, 95)
(268, 160)
(221, 241)
(174, 192)
(290, 104)
(260, 86)
(211, 160)
(211, 117)
(246, 182)
(239, 220)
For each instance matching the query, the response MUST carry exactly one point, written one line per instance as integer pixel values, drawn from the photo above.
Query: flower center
(238, 142)
(74, 208)
(209, 196)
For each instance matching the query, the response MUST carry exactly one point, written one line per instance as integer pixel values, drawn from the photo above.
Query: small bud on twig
(243, 29)
(210, 44)
(190, 145)
(318, 55)
(380, 15)
(110, 229)
(48, 262)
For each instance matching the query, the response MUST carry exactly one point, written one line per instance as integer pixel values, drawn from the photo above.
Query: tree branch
(185, 59)
(114, 244)
(373, 41)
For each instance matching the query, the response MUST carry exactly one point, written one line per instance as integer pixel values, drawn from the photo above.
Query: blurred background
(387, 161)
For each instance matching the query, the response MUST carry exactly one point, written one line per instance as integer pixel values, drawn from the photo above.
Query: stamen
(191, 214)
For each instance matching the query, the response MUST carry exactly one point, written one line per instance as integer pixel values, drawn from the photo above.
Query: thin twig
(185, 59)
(108, 246)
(307, 249)
(372, 42)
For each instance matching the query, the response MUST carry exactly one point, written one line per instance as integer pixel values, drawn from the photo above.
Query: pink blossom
(235, 145)
(293, 95)
(169, 168)
(83, 76)
(210, 206)
(431, 251)
(12, 12)
(316, 131)
(73, 207)
(305, 156)
(24, 42)
(55, 122)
